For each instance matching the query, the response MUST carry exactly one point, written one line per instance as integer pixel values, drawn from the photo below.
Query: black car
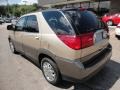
(8, 20)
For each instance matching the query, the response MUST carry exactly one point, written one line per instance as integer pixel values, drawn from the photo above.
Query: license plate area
(98, 36)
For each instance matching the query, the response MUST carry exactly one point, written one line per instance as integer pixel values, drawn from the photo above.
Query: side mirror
(10, 27)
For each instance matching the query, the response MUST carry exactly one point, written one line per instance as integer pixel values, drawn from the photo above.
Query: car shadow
(104, 80)
(65, 85)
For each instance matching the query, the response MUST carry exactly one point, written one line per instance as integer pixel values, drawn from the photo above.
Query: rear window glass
(58, 23)
(84, 21)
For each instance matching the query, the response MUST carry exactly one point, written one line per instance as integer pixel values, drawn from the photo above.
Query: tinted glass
(84, 21)
(58, 22)
(20, 24)
(32, 24)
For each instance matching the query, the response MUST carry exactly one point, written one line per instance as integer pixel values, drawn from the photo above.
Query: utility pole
(99, 5)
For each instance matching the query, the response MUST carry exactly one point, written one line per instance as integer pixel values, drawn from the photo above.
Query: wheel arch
(110, 20)
(45, 53)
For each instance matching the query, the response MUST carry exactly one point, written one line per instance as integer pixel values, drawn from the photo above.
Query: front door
(31, 37)
(19, 31)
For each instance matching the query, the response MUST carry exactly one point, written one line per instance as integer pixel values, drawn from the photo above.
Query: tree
(18, 10)
(2, 10)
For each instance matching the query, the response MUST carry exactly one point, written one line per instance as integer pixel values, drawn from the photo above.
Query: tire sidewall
(57, 79)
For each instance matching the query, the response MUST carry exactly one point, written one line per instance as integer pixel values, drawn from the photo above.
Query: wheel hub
(49, 71)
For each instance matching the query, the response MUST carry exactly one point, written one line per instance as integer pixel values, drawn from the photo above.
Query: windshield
(84, 21)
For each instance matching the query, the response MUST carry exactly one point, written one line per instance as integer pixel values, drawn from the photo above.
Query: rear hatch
(87, 24)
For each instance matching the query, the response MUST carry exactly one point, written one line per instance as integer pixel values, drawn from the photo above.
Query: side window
(32, 24)
(58, 23)
(20, 24)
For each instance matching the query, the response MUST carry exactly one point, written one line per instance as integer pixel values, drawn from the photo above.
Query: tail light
(77, 42)
(87, 40)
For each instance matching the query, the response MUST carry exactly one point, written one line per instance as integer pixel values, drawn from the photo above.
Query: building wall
(103, 4)
(115, 4)
(44, 2)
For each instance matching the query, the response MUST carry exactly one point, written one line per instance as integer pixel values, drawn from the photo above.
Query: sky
(18, 2)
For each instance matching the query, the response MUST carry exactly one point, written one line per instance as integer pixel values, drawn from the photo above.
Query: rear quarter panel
(53, 44)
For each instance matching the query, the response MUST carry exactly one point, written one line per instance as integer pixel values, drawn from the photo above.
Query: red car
(111, 19)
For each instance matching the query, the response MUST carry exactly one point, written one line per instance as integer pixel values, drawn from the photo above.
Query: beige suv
(69, 44)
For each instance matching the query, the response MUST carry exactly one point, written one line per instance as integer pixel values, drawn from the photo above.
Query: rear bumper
(77, 71)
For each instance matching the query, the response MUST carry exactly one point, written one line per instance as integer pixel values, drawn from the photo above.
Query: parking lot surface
(18, 73)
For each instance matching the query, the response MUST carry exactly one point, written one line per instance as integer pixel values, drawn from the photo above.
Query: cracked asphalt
(18, 73)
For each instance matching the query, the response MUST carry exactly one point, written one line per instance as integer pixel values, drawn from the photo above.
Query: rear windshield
(58, 23)
(84, 21)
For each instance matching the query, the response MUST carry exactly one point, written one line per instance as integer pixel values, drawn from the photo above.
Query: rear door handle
(37, 38)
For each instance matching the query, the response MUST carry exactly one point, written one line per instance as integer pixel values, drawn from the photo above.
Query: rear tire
(50, 71)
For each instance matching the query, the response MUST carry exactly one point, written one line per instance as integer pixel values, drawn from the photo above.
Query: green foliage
(2, 10)
(17, 10)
